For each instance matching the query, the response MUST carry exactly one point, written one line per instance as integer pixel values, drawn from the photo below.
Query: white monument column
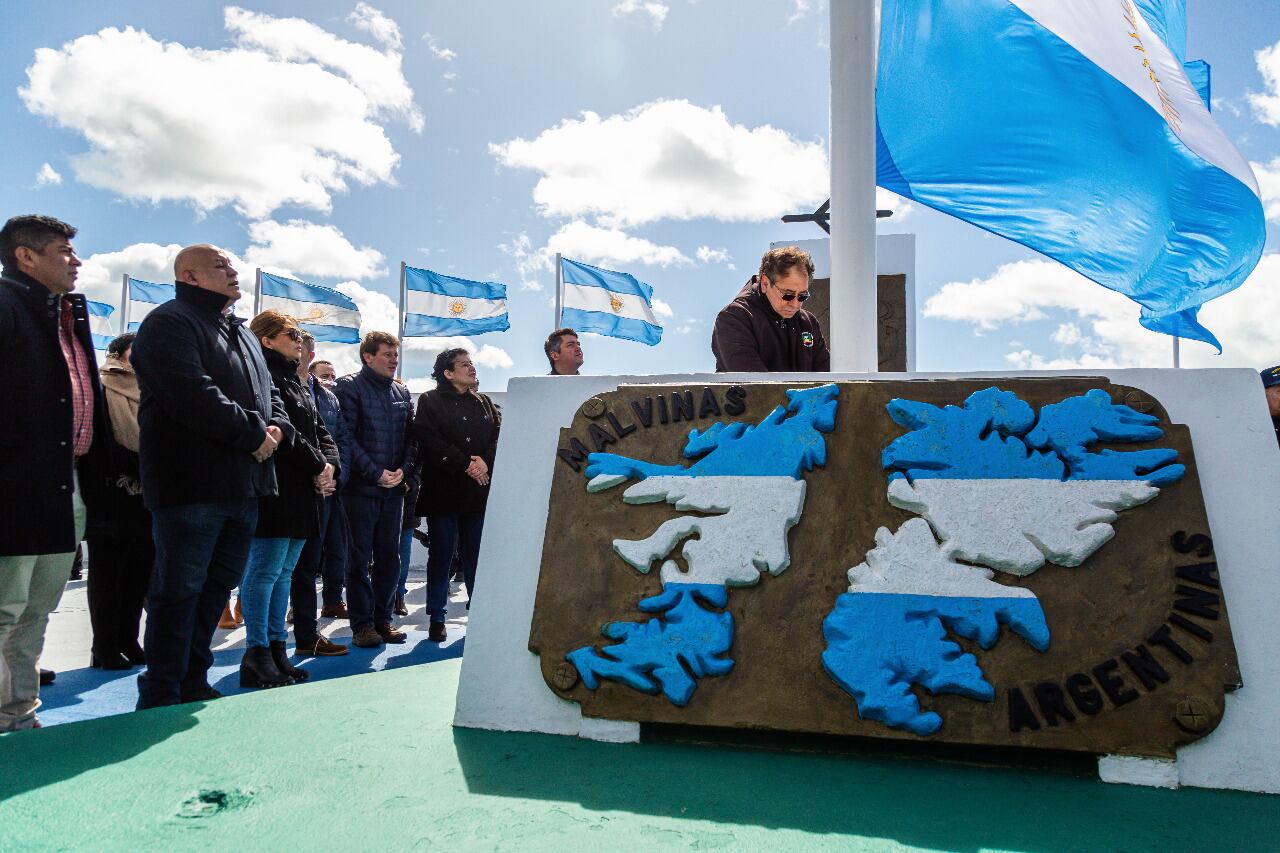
(854, 325)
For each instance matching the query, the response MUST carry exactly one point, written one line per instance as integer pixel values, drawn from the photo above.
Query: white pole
(854, 327)
(124, 303)
(559, 290)
(1177, 351)
(257, 291)
(400, 328)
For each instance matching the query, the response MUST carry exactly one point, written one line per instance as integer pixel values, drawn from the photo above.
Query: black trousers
(119, 574)
(323, 553)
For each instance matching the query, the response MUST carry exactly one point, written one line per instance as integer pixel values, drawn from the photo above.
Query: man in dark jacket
(378, 412)
(52, 445)
(333, 551)
(456, 430)
(209, 421)
(764, 329)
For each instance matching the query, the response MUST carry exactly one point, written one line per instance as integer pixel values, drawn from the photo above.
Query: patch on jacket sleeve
(806, 338)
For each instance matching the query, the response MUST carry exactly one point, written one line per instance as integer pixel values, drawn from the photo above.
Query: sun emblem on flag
(457, 308)
(615, 303)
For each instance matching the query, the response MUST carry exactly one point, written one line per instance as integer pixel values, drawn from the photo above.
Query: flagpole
(257, 291)
(1177, 352)
(559, 290)
(124, 303)
(854, 315)
(400, 332)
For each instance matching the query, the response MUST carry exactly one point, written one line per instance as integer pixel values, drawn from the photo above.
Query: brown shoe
(335, 611)
(401, 609)
(239, 614)
(227, 621)
(320, 648)
(390, 634)
(437, 632)
(367, 638)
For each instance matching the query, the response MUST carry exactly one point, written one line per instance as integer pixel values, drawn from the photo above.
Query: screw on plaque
(565, 676)
(1138, 401)
(594, 407)
(1192, 715)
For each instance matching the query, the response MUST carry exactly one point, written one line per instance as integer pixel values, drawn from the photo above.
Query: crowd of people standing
(207, 454)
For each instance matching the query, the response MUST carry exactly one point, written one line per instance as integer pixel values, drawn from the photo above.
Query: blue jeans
(264, 592)
(461, 531)
(201, 551)
(373, 567)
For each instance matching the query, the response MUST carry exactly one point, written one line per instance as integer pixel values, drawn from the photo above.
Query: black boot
(258, 670)
(281, 660)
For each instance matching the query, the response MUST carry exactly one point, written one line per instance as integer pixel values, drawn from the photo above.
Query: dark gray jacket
(207, 400)
(750, 337)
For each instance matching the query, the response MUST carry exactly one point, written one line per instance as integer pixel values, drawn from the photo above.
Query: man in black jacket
(52, 445)
(210, 420)
(764, 329)
(378, 412)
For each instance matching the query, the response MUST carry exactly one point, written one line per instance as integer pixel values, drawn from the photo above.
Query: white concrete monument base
(1239, 467)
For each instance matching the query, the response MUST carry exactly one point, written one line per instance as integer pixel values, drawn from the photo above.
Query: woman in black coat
(456, 428)
(306, 470)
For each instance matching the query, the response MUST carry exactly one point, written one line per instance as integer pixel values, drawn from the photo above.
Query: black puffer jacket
(294, 511)
(207, 400)
(450, 428)
(36, 444)
(750, 337)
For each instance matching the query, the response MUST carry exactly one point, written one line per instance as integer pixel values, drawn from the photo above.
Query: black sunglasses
(293, 334)
(787, 295)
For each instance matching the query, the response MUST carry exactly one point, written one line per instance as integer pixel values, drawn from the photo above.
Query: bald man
(210, 421)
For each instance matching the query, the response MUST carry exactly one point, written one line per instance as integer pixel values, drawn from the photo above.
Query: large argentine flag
(440, 305)
(1071, 127)
(100, 326)
(608, 303)
(143, 296)
(330, 316)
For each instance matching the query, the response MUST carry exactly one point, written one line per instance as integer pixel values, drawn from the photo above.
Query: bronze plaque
(1024, 563)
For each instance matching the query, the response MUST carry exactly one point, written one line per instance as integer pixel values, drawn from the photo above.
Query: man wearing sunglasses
(765, 329)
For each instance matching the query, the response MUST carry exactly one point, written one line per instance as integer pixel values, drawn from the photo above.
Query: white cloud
(47, 176)
(687, 326)
(802, 9)
(311, 249)
(656, 11)
(1266, 105)
(1100, 328)
(449, 75)
(708, 255)
(291, 114)
(376, 24)
(596, 245)
(1268, 175)
(662, 309)
(530, 262)
(444, 54)
(896, 204)
(669, 159)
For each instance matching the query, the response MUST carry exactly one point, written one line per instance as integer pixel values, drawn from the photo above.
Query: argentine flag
(330, 316)
(440, 305)
(143, 296)
(608, 303)
(1073, 128)
(100, 325)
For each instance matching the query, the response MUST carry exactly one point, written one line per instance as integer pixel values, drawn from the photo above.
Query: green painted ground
(372, 762)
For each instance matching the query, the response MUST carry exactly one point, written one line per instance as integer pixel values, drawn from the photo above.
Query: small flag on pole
(608, 303)
(440, 305)
(100, 325)
(330, 316)
(143, 296)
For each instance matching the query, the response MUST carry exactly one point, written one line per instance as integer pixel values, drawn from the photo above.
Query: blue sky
(332, 141)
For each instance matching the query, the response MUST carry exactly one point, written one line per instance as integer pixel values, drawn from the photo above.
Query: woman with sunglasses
(764, 329)
(306, 470)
